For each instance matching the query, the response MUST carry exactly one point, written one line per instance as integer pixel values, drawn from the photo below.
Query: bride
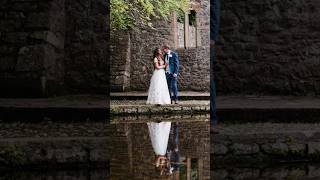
(158, 91)
(159, 135)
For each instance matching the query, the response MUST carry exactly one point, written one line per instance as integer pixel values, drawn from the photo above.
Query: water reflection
(75, 174)
(161, 150)
(293, 171)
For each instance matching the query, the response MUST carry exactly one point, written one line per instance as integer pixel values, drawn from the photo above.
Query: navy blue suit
(173, 68)
(214, 31)
(173, 147)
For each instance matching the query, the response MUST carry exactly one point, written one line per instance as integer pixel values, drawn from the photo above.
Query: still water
(276, 172)
(79, 174)
(184, 145)
(134, 154)
(295, 171)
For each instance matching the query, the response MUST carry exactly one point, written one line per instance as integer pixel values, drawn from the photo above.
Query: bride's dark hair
(155, 54)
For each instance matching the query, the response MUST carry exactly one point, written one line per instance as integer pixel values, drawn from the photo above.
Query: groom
(172, 70)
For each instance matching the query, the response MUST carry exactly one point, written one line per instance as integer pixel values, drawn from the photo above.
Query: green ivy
(131, 14)
(180, 16)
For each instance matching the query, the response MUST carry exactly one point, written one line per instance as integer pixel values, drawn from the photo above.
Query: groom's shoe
(176, 102)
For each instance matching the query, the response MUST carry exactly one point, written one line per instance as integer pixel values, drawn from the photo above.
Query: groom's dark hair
(166, 47)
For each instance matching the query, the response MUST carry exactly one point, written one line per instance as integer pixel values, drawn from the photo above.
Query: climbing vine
(131, 14)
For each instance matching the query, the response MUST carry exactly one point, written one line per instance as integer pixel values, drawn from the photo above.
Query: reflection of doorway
(192, 169)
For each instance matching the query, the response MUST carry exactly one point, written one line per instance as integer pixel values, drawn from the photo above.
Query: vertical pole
(175, 30)
(200, 168)
(186, 29)
(188, 168)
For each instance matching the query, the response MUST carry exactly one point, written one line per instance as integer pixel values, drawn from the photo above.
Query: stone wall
(80, 174)
(120, 61)
(49, 143)
(269, 47)
(53, 47)
(194, 62)
(31, 47)
(86, 46)
(194, 69)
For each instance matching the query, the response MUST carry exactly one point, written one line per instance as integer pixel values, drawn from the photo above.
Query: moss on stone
(11, 155)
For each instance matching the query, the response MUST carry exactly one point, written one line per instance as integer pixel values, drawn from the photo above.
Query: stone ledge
(46, 151)
(264, 148)
(151, 109)
(163, 117)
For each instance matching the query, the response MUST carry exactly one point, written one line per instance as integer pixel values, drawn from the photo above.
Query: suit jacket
(173, 63)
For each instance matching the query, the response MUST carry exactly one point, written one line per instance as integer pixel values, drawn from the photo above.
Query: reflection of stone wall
(133, 155)
(47, 47)
(194, 61)
(80, 174)
(294, 171)
(269, 47)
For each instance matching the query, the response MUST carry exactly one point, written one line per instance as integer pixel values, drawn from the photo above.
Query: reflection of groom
(172, 70)
(173, 152)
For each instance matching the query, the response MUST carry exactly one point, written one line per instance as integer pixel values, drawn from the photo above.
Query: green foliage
(180, 16)
(12, 156)
(129, 14)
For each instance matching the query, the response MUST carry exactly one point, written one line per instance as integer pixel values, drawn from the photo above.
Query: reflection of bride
(159, 135)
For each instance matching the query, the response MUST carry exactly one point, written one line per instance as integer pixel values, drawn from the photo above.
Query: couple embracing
(163, 87)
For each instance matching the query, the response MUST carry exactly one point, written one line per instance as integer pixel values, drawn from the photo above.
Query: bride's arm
(156, 64)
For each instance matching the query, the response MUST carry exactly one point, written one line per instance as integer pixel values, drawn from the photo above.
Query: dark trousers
(213, 109)
(173, 87)
(174, 146)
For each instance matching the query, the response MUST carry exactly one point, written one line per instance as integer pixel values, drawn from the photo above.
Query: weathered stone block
(49, 37)
(275, 149)
(38, 20)
(244, 149)
(31, 58)
(7, 63)
(314, 149)
(219, 149)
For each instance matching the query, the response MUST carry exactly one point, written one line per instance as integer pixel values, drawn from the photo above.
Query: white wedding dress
(158, 90)
(159, 135)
